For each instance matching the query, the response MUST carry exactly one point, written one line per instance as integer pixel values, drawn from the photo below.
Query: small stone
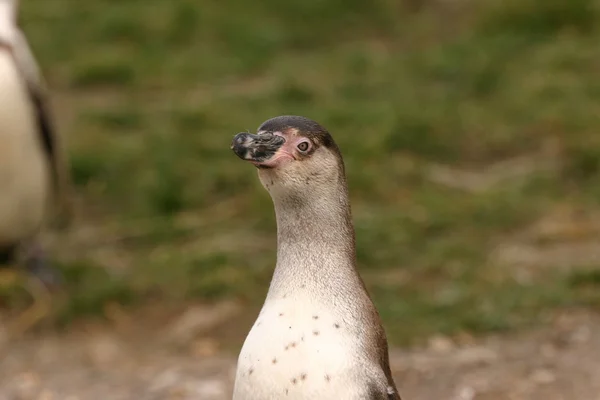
(543, 376)
(465, 339)
(200, 319)
(27, 383)
(178, 393)
(581, 335)
(46, 395)
(476, 356)
(466, 393)
(104, 350)
(440, 344)
(209, 389)
(205, 347)
(164, 380)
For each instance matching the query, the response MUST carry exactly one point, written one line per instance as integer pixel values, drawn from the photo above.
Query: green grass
(152, 92)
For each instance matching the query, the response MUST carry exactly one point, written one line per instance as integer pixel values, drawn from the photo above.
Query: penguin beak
(257, 149)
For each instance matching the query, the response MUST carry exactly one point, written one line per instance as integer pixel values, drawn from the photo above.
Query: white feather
(289, 351)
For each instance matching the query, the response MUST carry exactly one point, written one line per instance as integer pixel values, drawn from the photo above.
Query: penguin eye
(303, 146)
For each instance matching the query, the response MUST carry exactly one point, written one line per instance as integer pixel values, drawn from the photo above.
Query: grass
(150, 93)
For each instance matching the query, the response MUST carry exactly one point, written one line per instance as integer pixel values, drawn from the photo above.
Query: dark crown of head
(307, 127)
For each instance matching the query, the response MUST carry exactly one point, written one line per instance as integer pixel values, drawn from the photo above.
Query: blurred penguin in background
(33, 173)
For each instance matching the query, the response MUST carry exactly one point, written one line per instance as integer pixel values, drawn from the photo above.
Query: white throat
(315, 246)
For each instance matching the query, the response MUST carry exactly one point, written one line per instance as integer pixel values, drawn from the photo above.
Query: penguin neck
(315, 244)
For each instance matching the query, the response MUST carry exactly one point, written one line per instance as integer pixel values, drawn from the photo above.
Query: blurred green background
(470, 130)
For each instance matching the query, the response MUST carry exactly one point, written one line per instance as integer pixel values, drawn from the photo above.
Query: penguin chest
(298, 350)
(24, 172)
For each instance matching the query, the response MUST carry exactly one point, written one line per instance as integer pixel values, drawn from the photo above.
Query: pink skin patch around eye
(286, 153)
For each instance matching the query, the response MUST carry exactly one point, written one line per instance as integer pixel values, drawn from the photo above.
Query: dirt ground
(560, 361)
